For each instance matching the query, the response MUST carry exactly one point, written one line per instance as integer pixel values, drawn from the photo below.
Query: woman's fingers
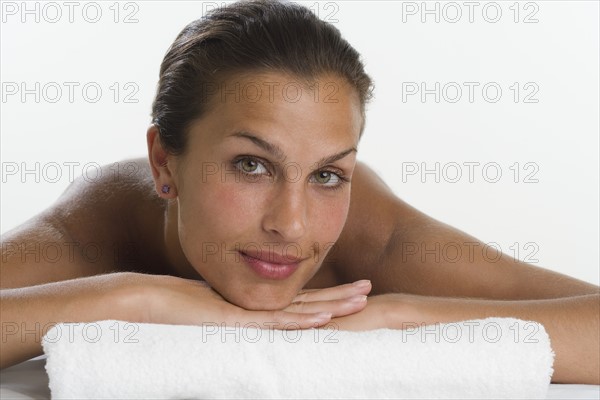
(291, 320)
(280, 319)
(338, 300)
(361, 287)
(337, 308)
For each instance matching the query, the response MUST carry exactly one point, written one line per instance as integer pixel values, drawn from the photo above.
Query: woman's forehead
(286, 103)
(305, 132)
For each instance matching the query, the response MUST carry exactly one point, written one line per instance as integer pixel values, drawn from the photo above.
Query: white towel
(485, 358)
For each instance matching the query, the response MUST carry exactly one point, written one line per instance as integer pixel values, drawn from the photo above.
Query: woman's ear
(161, 164)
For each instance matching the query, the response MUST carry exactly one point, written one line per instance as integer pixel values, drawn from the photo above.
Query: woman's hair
(246, 36)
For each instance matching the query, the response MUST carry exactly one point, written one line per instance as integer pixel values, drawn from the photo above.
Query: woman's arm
(47, 277)
(572, 323)
(418, 282)
(27, 313)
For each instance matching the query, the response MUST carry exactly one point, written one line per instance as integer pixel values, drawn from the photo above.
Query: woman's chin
(262, 303)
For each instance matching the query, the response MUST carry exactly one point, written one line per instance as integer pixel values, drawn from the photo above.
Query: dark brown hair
(245, 36)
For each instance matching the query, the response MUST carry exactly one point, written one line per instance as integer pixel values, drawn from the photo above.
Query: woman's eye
(327, 178)
(251, 166)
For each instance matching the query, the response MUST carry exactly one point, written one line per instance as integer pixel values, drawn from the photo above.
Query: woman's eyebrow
(268, 147)
(279, 154)
(335, 157)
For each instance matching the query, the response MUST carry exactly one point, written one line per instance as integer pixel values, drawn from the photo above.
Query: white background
(557, 216)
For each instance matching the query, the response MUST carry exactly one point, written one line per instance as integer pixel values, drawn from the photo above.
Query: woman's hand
(339, 300)
(167, 299)
(393, 311)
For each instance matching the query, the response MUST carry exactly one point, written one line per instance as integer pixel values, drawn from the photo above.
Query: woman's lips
(278, 267)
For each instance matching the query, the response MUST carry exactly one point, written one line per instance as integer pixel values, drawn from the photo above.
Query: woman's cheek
(230, 212)
(236, 202)
(332, 215)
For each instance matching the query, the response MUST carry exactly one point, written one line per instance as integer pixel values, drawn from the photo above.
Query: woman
(244, 212)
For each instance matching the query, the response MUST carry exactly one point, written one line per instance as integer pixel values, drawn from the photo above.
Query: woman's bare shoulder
(112, 191)
(117, 208)
(374, 215)
(111, 181)
(99, 224)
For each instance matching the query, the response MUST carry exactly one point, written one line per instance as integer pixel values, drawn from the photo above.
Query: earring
(165, 188)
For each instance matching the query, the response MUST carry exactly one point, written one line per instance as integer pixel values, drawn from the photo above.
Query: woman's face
(263, 187)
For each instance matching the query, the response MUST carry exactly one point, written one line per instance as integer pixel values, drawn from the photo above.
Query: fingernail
(358, 298)
(362, 283)
(320, 317)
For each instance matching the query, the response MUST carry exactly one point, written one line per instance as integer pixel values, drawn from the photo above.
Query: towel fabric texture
(482, 358)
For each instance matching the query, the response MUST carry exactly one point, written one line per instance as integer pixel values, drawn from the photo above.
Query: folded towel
(485, 358)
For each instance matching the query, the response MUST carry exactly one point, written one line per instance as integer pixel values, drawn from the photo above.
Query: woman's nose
(286, 214)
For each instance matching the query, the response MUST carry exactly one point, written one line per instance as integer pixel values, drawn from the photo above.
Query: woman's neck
(178, 263)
